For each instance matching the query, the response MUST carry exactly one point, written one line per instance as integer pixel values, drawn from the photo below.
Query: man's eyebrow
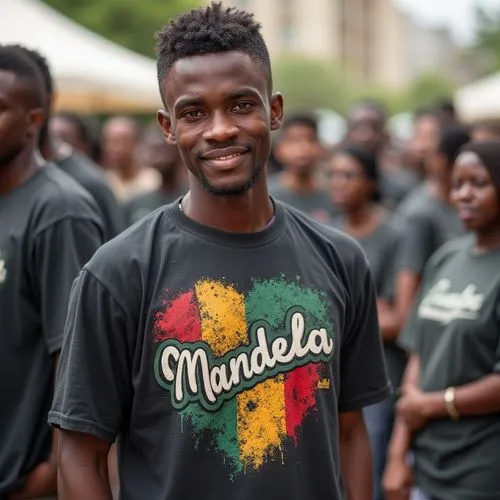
(244, 92)
(188, 101)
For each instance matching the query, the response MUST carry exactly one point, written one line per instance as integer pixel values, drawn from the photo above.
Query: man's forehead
(223, 69)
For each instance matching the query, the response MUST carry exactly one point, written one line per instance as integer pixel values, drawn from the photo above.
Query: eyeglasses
(346, 176)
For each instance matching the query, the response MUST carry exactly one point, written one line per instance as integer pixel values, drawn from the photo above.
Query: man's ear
(36, 119)
(165, 122)
(276, 111)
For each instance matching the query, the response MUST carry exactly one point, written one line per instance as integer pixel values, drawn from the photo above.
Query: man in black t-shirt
(228, 341)
(75, 164)
(49, 228)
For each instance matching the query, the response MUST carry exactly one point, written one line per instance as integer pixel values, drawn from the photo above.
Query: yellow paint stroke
(261, 421)
(222, 311)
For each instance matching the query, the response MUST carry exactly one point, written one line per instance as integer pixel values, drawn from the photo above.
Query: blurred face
(66, 131)
(425, 139)
(299, 150)
(220, 114)
(18, 123)
(482, 134)
(366, 129)
(158, 154)
(119, 143)
(474, 194)
(349, 186)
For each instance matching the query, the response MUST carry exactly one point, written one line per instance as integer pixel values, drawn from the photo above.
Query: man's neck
(246, 213)
(440, 188)
(18, 171)
(362, 221)
(298, 183)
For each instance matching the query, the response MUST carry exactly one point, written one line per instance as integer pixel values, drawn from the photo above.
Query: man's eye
(243, 106)
(192, 114)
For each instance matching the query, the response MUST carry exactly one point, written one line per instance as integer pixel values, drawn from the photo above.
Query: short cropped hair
(15, 60)
(372, 105)
(43, 67)
(303, 119)
(453, 138)
(210, 30)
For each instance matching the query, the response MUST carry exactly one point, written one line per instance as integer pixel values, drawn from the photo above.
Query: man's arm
(83, 467)
(355, 456)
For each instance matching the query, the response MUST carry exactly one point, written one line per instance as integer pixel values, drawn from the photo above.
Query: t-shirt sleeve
(112, 214)
(391, 258)
(93, 388)
(59, 253)
(417, 245)
(363, 375)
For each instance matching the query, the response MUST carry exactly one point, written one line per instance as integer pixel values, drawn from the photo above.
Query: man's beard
(7, 158)
(234, 190)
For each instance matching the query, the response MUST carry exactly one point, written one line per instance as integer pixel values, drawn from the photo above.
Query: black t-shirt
(382, 249)
(90, 176)
(221, 360)
(49, 228)
(144, 204)
(428, 224)
(455, 331)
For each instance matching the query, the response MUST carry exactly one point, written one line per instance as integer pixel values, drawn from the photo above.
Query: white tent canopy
(91, 73)
(480, 100)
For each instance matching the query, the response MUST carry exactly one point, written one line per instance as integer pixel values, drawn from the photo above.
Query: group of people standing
(230, 303)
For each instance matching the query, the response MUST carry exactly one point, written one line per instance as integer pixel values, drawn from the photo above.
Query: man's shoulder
(84, 171)
(136, 244)
(340, 246)
(59, 196)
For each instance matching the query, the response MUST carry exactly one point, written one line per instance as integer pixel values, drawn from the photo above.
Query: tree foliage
(488, 34)
(129, 23)
(310, 83)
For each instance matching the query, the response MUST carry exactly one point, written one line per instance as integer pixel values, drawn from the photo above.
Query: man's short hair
(210, 30)
(302, 119)
(453, 138)
(13, 59)
(42, 65)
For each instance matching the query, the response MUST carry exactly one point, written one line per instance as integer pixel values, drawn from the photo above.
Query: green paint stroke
(222, 428)
(271, 299)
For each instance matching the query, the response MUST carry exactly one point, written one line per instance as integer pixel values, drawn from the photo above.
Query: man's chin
(235, 188)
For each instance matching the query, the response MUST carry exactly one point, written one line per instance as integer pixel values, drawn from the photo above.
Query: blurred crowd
(397, 199)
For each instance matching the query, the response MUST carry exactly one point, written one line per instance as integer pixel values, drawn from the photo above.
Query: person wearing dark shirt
(428, 218)
(354, 188)
(448, 414)
(367, 128)
(77, 131)
(156, 153)
(486, 131)
(226, 337)
(49, 228)
(298, 150)
(75, 164)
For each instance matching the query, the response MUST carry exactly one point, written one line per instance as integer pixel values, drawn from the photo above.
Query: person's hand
(397, 480)
(41, 481)
(413, 408)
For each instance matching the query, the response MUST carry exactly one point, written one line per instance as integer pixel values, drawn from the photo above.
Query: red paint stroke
(179, 320)
(300, 396)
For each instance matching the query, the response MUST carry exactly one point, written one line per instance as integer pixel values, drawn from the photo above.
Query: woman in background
(354, 188)
(449, 411)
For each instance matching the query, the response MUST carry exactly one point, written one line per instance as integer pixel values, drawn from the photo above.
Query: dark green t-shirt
(428, 224)
(49, 228)
(455, 331)
(382, 249)
(91, 177)
(221, 360)
(144, 204)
